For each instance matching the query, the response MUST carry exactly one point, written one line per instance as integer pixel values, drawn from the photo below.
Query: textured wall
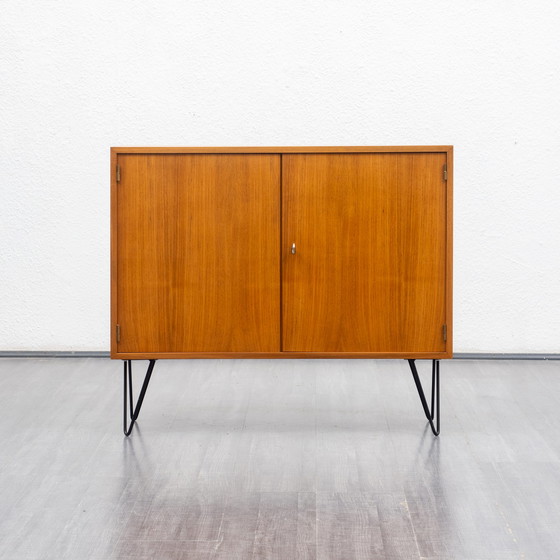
(80, 77)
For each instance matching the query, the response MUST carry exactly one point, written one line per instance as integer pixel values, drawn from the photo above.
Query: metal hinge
(445, 172)
(118, 329)
(444, 333)
(118, 173)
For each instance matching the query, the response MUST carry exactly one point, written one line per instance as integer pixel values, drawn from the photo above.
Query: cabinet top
(277, 149)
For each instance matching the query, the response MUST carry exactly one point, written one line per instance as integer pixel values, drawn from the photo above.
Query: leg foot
(434, 410)
(134, 410)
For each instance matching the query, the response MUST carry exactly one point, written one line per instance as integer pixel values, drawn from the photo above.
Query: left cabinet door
(198, 258)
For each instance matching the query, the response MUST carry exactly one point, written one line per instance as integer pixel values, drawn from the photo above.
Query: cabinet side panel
(114, 231)
(369, 270)
(198, 265)
(449, 263)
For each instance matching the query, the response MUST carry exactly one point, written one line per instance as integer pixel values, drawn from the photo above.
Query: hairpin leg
(434, 410)
(134, 410)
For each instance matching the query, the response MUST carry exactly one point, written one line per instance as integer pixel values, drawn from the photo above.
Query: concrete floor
(281, 459)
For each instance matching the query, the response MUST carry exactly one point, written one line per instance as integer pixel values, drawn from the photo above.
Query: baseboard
(490, 356)
(91, 354)
(51, 354)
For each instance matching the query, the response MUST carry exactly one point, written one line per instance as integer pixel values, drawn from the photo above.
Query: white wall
(79, 77)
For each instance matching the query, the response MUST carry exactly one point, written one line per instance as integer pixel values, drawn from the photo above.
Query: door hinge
(118, 173)
(118, 329)
(445, 172)
(444, 329)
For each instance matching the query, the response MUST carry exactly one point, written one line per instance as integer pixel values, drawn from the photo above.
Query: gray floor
(279, 459)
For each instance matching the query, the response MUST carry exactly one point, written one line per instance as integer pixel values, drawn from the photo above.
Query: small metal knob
(293, 248)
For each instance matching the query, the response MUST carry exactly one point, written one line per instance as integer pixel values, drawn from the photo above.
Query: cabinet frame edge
(449, 253)
(276, 149)
(114, 261)
(281, 355)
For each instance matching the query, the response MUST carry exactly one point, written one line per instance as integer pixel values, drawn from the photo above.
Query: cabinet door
(198, 264)
(368, 273)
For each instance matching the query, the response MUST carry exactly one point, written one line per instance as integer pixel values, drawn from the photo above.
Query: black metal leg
(434, 410)
(134, 411)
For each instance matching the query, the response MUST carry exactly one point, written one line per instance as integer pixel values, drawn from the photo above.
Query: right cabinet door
(364, 252)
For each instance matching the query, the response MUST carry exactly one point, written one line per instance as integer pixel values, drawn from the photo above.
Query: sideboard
(281, 252)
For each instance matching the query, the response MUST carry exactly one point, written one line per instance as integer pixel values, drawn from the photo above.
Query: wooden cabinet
(281, 252)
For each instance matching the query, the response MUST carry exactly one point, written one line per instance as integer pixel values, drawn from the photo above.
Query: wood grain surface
(369, 273)
(198, 265)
